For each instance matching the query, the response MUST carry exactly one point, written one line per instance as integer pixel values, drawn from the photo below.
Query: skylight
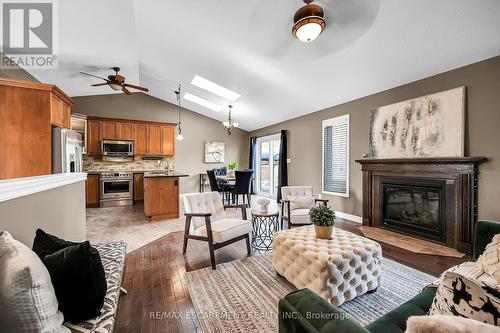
(214, 88)
(203, 102)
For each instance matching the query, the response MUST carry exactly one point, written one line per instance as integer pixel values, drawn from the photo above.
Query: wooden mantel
(460, 176)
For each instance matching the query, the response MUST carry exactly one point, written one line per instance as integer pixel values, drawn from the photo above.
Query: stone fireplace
(429, 198)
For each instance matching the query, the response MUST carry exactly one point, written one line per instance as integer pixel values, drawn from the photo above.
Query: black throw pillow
(77, 275)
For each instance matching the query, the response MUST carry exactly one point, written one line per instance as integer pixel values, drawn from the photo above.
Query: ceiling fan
(116, 82)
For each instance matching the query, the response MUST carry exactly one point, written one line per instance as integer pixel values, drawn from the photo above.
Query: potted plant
(232, 167)
(323, 218)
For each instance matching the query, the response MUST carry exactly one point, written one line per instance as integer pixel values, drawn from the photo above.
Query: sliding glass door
(268, 151)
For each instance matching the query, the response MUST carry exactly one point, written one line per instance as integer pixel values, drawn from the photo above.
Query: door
(93, 137)
(168, 140)
(92, 190)
(267, 165)
(154, 140)
(109, 130)
(125, 131)
(141, 139)
(138, 186)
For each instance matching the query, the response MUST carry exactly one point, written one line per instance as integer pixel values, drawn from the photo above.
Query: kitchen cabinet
(93, 137)
(92, 190)
(140, 139)
(125, 131)
(138, 186)
(168, 140)
(109, 130)
(154, 140)
(161, 197)
(27, 112)
(59, 112)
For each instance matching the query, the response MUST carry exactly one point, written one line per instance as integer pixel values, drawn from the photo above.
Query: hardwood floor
(158, 299)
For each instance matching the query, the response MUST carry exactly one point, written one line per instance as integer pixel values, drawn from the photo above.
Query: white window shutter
(336, 156)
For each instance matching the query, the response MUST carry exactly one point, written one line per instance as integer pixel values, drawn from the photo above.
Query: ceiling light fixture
(214, 88)
(229, 124)
(203, 102)
(179, 136)
(308, 22)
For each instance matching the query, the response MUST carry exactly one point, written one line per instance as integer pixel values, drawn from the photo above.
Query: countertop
(97, 172)
(164, 174)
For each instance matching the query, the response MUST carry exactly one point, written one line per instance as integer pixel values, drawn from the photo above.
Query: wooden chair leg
(249, 248)
(184, 247)
(212, 254)
(186, 233)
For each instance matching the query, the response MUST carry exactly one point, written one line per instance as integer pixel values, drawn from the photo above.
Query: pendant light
(179, 136)
(229, 124)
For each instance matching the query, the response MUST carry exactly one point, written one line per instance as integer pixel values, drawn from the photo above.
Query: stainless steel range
(116, 189)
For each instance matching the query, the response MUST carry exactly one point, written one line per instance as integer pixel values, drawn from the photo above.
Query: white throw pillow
(490, 259)
(447, 324)
(301, 202)
(28, 302)
(462, 296)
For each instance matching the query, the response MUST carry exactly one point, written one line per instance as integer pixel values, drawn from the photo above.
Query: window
(268, 152)
(336, 156)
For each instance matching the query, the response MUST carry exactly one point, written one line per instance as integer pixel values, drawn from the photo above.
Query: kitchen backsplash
(97, 163)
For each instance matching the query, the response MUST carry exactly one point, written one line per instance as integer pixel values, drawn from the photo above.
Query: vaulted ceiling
(247, 46)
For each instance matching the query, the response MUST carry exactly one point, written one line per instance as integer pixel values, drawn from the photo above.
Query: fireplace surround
(430, 198)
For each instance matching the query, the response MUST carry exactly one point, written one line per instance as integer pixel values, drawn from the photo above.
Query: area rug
(243, 295)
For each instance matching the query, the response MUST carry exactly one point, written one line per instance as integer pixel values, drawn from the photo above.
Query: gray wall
(482, 131)
(60, 211)
(196, 129)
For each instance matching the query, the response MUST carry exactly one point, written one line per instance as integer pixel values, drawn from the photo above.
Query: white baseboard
(349, 217)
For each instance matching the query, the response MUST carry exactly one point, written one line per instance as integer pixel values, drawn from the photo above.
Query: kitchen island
(161, 194)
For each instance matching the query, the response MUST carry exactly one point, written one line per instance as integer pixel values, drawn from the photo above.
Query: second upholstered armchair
(296, 203)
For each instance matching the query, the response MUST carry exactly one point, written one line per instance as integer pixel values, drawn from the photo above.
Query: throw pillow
(27, 299)
(490, 259)
(79, 281)
(447, 324)
(45, 243)
(458, 295)
(301, 202)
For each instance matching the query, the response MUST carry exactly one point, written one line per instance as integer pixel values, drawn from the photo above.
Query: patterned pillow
(27, 299)
(301, 202)
(490, 259)
(447, 324)
(458, 295)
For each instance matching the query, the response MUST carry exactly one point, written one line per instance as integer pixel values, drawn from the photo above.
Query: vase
(230, 173)
(323, 232)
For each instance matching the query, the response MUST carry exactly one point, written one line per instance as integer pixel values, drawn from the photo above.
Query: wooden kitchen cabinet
(154, 140)
(93, 137)
(27, 112)
(138, 186)
(168, 140)
(161, 197)
(92, 190)
(125, 131)
(66, 112)
(109, 130)
(140, 139)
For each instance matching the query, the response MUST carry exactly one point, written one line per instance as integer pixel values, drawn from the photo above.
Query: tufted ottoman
(338, 269)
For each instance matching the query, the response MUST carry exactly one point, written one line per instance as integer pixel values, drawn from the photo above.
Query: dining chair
(206, 220)
(216, 186)
(296, 203)
(242, 186)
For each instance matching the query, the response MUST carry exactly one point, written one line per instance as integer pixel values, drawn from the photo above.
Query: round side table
(264, 227)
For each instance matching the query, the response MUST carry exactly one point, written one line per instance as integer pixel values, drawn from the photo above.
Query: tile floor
(130, 224)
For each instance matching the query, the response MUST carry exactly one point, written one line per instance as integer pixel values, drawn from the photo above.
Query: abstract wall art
(427, 126)
(214, 152)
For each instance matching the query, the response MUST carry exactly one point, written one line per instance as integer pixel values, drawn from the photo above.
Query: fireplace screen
(413, 208)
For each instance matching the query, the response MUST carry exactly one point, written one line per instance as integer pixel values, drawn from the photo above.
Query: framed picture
(427, 126)
(214, 152)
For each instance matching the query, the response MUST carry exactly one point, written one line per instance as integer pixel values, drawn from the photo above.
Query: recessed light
(203, 102)
(214, 88)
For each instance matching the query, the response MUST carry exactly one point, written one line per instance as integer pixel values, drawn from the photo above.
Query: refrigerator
(67, 149)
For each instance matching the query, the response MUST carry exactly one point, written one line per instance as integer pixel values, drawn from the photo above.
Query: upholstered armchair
(206, 220)
(296, 203)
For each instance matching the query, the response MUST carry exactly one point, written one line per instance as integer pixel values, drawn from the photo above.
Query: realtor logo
(28, 31)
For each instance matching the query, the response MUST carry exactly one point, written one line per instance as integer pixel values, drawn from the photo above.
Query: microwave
(117, 148)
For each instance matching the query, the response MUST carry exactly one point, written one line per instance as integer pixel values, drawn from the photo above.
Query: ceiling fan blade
(94, 76)
(99, 84)
(120, 79)
(126, 91)
(136, 87)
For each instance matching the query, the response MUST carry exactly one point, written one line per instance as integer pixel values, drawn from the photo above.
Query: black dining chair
(242, 186)
(217, 186)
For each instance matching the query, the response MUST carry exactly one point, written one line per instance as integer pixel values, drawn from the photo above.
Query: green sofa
(304, 311)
